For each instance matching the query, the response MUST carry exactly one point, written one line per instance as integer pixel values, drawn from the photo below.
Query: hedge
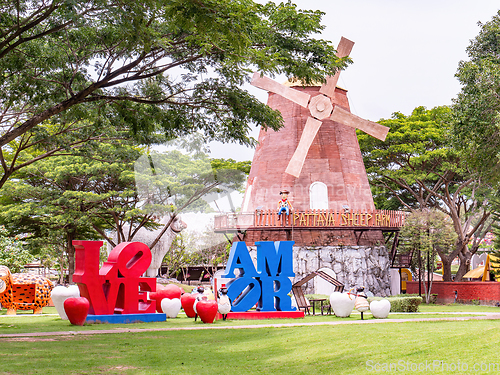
(405, 304)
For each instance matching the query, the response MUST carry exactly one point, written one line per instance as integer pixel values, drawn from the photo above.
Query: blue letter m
(275, 258)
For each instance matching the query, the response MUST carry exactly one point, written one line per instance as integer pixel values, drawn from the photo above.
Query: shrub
(405, 304)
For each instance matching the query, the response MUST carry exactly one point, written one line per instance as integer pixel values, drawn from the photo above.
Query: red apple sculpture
(187, 302)
(76, 309)
(207, 310)
(170, 291)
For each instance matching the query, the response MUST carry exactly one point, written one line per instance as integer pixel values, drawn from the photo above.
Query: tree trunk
(466, 253)
(446, 268)
(419, 273)
(465, 257)
(447, 259)
(430, 276)
(70, 250)
(61, 267)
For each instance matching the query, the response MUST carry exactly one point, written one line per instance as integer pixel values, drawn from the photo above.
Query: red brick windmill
(316, 154)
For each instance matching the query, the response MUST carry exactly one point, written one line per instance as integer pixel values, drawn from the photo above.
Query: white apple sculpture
(380, 309)
(171, 307)
(342, 304)
(60, 294)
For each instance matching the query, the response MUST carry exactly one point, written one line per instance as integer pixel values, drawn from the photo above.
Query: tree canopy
(415, 157)
(477, 107)
(112, 194)
(427, 232)
(418, 168)
(173, 67)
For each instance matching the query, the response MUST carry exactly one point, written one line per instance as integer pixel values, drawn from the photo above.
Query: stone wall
(368, 266)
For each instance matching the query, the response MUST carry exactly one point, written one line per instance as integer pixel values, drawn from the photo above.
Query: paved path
(484, 316)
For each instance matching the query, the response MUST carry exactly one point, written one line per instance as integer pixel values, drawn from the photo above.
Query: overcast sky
(406, 53)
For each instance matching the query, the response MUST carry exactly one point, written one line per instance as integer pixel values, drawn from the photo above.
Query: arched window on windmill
(318, 196)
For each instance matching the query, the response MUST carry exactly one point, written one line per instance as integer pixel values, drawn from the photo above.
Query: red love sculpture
(76, 309)
(116, 288)
(207, 310)
(187, 302)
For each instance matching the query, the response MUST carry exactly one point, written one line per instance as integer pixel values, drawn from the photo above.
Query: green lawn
(317, 349)
(455, 307)
(345, 349)
(26, 322)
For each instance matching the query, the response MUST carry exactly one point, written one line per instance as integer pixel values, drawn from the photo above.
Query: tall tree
(87, 197)
(175, 67)
(417, 168)
(427, 233)
(477, 107)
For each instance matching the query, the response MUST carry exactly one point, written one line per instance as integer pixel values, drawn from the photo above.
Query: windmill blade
(301, 98)
(369, 127)
(308, 134)
(343, 49)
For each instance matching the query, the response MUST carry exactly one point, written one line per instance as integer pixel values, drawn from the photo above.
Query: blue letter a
(239, 258)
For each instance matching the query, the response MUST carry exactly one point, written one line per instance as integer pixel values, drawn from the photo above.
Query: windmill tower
(316, 155)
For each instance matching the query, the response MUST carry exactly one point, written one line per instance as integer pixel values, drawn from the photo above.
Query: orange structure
(21, 291)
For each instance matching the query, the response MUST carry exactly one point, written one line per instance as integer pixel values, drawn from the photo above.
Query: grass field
(347, 349)
(318, 349)
(50, 322)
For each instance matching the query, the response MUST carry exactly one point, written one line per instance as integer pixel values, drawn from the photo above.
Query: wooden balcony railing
(261, 219)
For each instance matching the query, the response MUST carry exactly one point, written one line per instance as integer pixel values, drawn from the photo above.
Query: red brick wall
(488, 293)
(316, 237)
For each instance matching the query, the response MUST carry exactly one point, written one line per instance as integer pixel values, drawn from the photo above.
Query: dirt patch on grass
(118, 370)
(38, 339)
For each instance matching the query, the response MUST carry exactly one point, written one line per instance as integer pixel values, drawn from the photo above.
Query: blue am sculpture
(267, 286)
